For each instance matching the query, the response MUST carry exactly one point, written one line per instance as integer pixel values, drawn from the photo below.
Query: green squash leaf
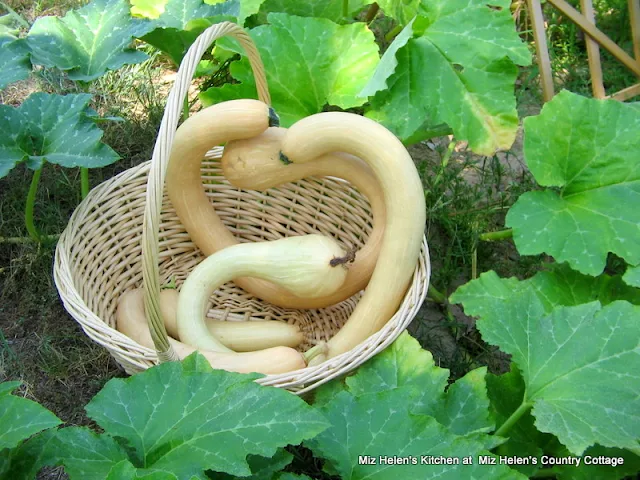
(560, 285)
(388, 63)
(14, 60)
(89, 41)
(54, 128)
(262, 468)
(20, 418)
(181, 420)
(579, 365)
(586, 151)
(506, 393)
(182, 21)
(632, 276)
(463, 408)
(459, 70)
(381, 424)
(403, 11)
(151, 9)
(627, 465)
(84, 453)
(310, 62)
(291, 476)
(329, 9)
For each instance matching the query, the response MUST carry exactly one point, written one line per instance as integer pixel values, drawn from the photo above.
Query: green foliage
(396, 405)
(20, 418)
(54, 128)
(14, 60)
(89, 41)
(462, 409)
(632, 276)
(310, 62)
(585, 152)
(176, 421)
(452, 71)
(333, 10)
(181, 22)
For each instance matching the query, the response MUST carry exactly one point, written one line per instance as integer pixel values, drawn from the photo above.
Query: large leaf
(463, 408)
(151, 9)
(20, 418)
(89, 41)
(459, 69)
(379, 426)
(310, 62)
(632, 276)
(598, 463)
(580, 366)
(14, 60)
(182, 21)
(506, 393)
(262, 468)
(330, 9)
(54, 128)
(84, 454)
(586, 151)
(176, 418)
(560, 285)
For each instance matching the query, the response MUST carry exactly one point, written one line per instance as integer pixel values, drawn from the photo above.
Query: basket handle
(160, 161)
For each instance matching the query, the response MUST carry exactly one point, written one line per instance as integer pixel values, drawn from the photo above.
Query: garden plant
(564, 405)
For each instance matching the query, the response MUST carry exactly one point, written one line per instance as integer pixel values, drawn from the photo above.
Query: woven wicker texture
(125, 234)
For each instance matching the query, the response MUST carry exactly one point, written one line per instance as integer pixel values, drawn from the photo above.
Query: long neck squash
(404, 200)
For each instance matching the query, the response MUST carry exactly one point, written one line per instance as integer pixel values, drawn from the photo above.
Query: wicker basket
(126, 234)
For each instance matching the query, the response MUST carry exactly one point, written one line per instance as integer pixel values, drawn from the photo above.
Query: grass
(40, 343)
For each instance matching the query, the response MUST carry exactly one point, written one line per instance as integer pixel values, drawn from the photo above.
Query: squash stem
(84, 182)
(393, 33)
(513, 419)
(185, 108)
(345, 8)
(24, 240)
(436, 296)
(30, 206)
(314, 352)
(496, 236)
(371, 13)
(274, 119)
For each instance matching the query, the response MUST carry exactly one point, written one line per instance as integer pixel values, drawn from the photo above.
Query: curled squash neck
(319, 134)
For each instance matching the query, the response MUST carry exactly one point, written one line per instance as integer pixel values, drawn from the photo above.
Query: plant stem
(495, 236)
(84, 182)
(23, 240)
(15, 15)
(345, 8)
(392, 33)
(185, 108)
(436, 296)
(474, 263)
(31, 201)
(445, 161)
(511, 421)
(371, 13)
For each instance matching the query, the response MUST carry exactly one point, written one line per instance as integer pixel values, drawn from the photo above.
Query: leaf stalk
(30, 207)
(436, 295)
(496, 236)
(23, 240)
(84, 182)
(513, 419)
